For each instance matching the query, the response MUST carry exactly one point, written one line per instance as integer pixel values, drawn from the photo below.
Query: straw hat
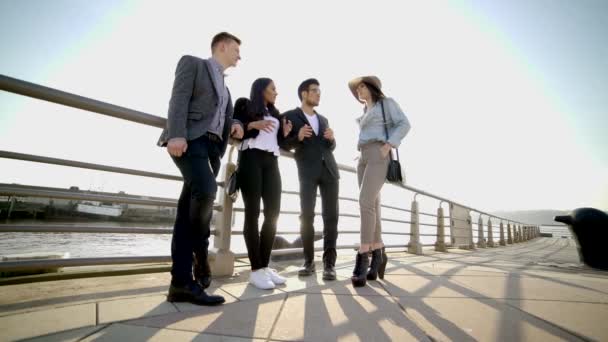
(370, 80)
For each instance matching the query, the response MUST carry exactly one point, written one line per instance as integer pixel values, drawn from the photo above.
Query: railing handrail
(84, 165)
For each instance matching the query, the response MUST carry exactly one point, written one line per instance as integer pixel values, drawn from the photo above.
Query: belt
(213, 137)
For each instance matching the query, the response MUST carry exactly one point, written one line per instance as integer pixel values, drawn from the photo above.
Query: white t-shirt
(313, 120)
(265, 141)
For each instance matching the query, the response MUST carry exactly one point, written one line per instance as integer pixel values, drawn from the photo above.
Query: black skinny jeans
(199, 167)
(259, 177)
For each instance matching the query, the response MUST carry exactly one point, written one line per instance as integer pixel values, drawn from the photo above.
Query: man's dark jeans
(199, 166)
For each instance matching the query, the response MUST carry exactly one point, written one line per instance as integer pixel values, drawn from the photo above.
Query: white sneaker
(275, 277)
(261, 280)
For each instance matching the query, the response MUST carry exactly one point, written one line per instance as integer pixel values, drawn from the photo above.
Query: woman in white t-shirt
(259, 177)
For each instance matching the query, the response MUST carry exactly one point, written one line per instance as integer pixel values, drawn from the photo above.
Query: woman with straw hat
(383, 126)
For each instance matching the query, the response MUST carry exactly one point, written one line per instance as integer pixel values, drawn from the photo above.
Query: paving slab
(467, 319)
(251, 318)
(584, 319)
(69, 335)
(324, 317)
(245, 291)
(25, 297)
(423, 286)
(44, 322)
(527, 287)
(120, 310)
(126, 332)
(340, 286)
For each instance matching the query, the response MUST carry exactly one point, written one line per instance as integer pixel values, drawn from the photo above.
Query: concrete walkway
(534, 291)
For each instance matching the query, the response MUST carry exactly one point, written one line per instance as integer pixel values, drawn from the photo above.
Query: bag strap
(386, 128)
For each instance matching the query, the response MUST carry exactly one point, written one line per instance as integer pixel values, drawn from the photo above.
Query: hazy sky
(507, 99)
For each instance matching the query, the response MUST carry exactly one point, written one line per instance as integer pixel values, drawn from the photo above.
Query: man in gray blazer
(199, 125)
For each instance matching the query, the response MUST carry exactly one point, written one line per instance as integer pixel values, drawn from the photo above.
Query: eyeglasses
(315, 90)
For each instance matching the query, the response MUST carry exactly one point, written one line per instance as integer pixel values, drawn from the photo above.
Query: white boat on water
(106, 210)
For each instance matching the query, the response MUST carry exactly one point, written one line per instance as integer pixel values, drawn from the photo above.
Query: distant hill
(540, 217)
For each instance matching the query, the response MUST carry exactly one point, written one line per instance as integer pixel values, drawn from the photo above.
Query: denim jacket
(372, 126)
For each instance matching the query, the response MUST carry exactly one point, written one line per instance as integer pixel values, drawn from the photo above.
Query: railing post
(521, 233)
(490, 234)
(502, 241)
(440, 243)
(415, 247)
(470, 223)
(517, 233)
(481, 242)
(223, 265)
(509, 234)
(11, 206)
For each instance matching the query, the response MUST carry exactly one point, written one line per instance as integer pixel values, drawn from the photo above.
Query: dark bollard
(590, 227)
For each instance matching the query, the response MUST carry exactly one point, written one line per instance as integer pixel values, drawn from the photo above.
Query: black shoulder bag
(394, 167)
(232, 188)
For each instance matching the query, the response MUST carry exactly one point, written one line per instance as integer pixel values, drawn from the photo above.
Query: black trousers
(329, 187)
(259, 178)
(199, 166)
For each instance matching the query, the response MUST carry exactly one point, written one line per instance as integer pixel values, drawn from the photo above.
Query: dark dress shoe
(329, 273)
(307, 270)
(192, 293)
(329, 263)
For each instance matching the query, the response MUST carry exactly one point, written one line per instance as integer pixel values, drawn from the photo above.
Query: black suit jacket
(312, 153)
(194, 101)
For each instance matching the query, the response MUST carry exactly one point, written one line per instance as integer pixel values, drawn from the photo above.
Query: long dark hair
(257, 108)
(376, 93)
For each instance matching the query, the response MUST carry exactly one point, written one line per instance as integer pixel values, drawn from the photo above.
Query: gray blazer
(194, 101)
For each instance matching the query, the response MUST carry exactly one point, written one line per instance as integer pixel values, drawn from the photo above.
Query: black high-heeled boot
(375, 264)
(382, 267)
(359, 277)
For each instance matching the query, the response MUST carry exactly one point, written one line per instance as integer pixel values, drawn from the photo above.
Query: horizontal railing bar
(288, 251)
(22, 191)
(83, 165)
(22, 265)
(14, 191)
(395, 208)
(5, 228)
(395, 233)
(351, 199)
(17, 86)
(291, 192)
(427, 214)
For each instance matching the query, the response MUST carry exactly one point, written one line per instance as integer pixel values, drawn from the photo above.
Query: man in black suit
(199, 125)
(313, 142)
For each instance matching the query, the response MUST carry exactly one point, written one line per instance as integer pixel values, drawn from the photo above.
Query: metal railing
(223, 227)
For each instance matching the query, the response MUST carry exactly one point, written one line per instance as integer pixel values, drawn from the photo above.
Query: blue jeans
(199, 166)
